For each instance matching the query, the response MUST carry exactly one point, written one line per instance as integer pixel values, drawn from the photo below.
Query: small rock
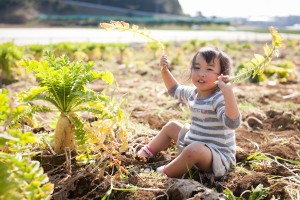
(191, 189)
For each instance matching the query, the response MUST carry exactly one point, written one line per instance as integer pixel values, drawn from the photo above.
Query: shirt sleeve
(181, 92)
(219, 104)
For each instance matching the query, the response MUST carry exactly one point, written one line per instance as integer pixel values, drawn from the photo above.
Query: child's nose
(202, 72)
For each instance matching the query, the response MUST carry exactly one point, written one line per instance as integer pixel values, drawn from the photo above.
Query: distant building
(290, 22)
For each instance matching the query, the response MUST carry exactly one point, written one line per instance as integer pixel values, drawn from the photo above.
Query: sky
(241, 8)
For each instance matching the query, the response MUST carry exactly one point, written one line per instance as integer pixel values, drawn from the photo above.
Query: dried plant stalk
(123, 26)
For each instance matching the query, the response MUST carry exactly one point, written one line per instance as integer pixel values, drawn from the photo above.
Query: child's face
(205, 74)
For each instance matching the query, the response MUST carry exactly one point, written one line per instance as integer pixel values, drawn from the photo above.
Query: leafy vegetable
(257, 65)
(61, 83)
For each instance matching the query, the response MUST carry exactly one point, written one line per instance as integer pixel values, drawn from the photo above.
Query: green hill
(22, 12)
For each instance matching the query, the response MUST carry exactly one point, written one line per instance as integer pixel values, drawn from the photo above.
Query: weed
(257, 193)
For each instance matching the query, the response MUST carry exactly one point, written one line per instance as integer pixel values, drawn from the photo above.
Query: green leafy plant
(21, 177)
(36, 50)
(284, 71)
(257, 65)
(64, 48)
(103, 49)
(259, 160)
(12, 118)
(61, 83)
(121, 48)
(259, 192)
(24, 178)
(9, 55)
(256, 79)
(154, 47)
(229, 194)
(193, 45)
(4, 106)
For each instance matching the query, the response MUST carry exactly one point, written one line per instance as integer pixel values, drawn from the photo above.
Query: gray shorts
(218, 168)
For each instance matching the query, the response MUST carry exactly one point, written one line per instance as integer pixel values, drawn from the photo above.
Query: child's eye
(195, 67)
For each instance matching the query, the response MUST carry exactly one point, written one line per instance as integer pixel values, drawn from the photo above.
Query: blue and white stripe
(209, 123)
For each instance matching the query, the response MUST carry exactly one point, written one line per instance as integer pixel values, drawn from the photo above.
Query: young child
(209, 142)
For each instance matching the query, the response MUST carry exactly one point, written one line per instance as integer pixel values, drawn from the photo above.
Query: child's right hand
(164, 63)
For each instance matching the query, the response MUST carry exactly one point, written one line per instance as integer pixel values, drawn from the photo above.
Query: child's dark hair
(210, 53)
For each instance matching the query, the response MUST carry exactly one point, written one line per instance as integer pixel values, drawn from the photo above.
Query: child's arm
(167, 76)
(231, 108)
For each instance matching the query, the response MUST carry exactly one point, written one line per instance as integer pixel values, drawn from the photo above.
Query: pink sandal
(146, 152)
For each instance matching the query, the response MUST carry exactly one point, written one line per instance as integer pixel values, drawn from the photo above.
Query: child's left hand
(223, 82)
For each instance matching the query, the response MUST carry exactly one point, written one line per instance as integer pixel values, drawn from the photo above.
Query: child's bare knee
(172, 129)
(174, 125)
(194, 151)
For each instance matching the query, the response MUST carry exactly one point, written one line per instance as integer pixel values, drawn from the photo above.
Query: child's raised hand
(164, 63)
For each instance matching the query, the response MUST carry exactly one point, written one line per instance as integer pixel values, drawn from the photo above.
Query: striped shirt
(209, 124)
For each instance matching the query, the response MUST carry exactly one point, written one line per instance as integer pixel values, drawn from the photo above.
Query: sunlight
(235, 8)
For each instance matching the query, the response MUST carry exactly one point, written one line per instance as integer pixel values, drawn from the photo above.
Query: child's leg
(180, 140)
(194, 153)
(162, 140)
